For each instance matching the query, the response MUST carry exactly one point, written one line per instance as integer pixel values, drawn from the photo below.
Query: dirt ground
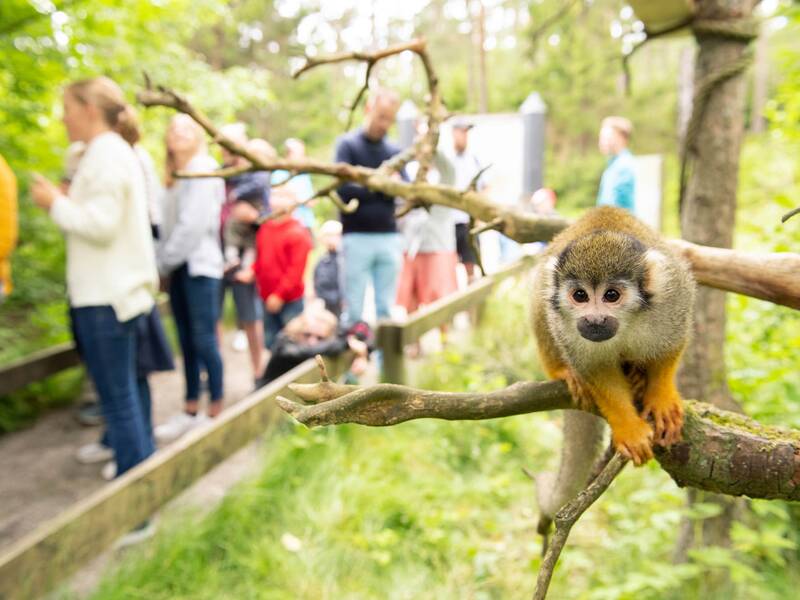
(39, 476)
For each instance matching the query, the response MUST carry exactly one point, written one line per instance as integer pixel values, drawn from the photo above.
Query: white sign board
(649, 192)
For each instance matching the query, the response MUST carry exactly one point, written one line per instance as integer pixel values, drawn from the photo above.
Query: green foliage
(762, 370)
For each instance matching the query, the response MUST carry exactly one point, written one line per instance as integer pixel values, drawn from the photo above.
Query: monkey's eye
(611, 295)
(580, 296)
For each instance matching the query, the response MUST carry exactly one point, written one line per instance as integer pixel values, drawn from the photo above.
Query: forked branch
(720, 451)
(770, 277)
(568, 515)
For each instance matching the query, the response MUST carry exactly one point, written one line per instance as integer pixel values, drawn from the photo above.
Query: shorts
(466, 254)
(249, 307)
(426, 278)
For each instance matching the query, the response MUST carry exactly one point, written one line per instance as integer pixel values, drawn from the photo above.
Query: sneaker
(109, 471)
(138, 534)
(239, 342)
(178, 425)
(93, 453)
(89, 414)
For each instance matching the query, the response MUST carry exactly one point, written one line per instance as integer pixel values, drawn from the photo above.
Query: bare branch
(360, 94)
(790, 214)
(568, 515)
(720, 451)
(769, 277)
(323, 370)
(224, 173)
(389, 404)
(493, 224)
(473, 184)
(368, 57)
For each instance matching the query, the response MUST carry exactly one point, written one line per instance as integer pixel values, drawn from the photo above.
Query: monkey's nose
(598, 329)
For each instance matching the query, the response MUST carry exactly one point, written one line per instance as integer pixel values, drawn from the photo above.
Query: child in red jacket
(282, 247)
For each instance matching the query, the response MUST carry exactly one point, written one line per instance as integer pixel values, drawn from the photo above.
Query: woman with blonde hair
(111, 269)
(189, 255)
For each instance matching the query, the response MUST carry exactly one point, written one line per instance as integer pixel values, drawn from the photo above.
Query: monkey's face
(598, 309)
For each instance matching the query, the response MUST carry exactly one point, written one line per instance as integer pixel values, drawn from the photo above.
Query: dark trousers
(274, 322)
(146, 403)
(194, 302)
(108, 348)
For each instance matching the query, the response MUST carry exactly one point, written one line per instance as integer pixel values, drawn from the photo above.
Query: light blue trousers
(370, 256)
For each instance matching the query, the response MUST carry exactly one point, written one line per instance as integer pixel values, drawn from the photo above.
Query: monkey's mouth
(598, 331)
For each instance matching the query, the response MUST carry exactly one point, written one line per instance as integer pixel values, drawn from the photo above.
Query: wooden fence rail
(44, 363)
(36, 563)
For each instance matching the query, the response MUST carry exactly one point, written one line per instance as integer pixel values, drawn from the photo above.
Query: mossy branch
(720, 451)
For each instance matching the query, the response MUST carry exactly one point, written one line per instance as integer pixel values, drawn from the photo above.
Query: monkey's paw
(634, 440)
(667, 414)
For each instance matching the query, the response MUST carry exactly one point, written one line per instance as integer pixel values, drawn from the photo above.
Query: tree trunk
(483, 84)
(760, 84)
(707, 217)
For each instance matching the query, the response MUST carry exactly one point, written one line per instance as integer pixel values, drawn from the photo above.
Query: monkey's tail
(582, 446)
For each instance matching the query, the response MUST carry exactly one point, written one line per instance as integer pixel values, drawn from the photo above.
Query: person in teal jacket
(618, 183)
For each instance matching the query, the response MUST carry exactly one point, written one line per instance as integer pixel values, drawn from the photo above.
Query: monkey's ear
(657, 279)
(548, 272)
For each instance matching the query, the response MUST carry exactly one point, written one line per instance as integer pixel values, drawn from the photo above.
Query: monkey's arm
(631, 434)
(662, 400)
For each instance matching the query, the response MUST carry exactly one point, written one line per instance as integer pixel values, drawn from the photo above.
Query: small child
(328, 274)
(282, 248)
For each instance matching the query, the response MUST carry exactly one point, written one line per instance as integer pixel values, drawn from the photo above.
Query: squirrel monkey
(612, 308)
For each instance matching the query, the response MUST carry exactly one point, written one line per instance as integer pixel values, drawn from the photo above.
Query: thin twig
(496, 223)
(790, 214)
(224, 172)
(323, 370)
(568, 515)
(473, 184)
(415, 45)
(361, 92)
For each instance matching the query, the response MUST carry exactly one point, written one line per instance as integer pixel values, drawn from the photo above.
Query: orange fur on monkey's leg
(555, 368)
(662, 401)
(631, 434)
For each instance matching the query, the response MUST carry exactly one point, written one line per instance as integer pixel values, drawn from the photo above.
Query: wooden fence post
(390, 342)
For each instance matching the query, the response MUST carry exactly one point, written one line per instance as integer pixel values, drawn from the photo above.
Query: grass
(442, 510)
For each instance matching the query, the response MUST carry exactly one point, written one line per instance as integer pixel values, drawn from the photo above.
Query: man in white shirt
(466, 166)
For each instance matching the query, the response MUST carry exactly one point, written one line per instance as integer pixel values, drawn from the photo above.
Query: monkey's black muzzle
(598, 329)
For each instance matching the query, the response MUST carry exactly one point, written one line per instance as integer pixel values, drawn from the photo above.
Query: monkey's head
(598, 284)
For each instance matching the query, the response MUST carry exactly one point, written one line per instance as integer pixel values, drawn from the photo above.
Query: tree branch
(568, 515)
(369, 57)
(790, 214)
(769, 277)
(720, 451)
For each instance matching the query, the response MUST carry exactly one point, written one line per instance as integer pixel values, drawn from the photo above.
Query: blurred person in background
(8, 225)
(190, 262)
(618, 183)
(111, 268)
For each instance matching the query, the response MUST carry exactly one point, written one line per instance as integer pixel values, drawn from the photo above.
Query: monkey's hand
(666, 410)
(633, 438)
(662, 402)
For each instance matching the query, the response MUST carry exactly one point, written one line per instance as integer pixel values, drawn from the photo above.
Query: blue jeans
(274, 322)
(146, 403)
(108, 348)
(195, 308)
(376, 257)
